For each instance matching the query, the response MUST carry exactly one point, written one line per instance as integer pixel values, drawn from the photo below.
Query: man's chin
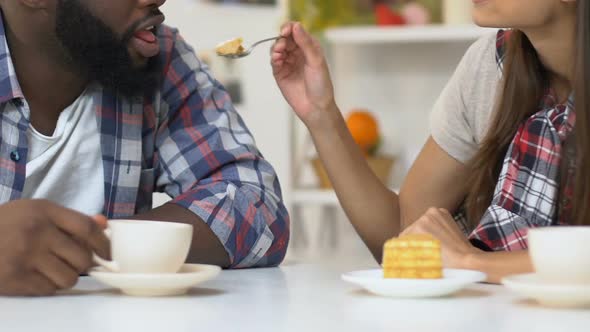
(136, 75)
(138, 61)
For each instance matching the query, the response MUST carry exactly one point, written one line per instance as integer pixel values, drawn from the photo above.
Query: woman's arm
(498, 265)
(372, 208)
(377, 214)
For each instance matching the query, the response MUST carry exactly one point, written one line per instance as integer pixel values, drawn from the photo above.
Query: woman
(507, 152)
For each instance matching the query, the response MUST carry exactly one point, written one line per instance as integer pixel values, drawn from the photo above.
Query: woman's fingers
(290, 44)
(297, 47)
(446, 213)
(435, 216)
(277, 56)
(447, 224)
(280, 46)
(432, 222)
(285, 47)
(287, 29)
(307, 44)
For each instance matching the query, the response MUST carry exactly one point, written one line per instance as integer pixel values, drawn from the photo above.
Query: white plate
(452, 281)
(547, 293)
(157, 284)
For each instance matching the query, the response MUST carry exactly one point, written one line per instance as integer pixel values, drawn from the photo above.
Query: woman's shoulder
(460, 118)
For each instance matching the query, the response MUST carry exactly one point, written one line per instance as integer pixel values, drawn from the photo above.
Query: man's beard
(96, 51)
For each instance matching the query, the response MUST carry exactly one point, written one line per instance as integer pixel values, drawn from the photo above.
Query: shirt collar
(550, 101)
(9, 87)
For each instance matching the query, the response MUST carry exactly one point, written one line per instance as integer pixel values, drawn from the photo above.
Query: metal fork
(249, 50)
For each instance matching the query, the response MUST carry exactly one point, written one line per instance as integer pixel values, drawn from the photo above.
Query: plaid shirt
(527, 194)
(186, 140)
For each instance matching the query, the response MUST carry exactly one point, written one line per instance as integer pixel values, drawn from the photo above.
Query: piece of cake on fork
(230, 47)
(416, 256)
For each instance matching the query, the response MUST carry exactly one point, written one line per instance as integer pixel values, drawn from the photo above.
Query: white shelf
(316, 197)
(405, 34)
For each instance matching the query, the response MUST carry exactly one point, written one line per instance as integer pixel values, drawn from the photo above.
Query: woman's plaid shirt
(528, 193)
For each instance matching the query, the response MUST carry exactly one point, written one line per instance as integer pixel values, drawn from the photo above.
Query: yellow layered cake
(230, 47)
(414, 256)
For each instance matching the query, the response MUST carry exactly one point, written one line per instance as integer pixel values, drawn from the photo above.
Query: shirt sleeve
(453, 119)
(210, 164)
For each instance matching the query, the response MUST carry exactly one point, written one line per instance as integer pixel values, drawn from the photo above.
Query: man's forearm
(498, 265)
(206, 247)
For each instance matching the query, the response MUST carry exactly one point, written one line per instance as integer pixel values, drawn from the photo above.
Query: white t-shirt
(66, 168)
(462, 114)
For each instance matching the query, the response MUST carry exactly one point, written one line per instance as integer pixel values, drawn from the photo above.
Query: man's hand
(44, 247)
(439, 223)
(301, 72)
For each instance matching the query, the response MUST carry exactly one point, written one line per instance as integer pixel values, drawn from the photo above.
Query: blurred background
(390, 59)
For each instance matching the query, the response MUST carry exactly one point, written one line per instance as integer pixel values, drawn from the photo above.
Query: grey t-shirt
(462, 114)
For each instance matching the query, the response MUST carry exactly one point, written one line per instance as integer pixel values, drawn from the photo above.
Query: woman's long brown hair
(525, 80)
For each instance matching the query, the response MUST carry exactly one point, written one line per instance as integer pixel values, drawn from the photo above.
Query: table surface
(295, 297)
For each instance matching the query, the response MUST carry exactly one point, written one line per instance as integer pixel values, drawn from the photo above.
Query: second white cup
(561, 254)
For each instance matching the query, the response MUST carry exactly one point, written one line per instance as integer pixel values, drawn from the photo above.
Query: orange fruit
(364, 129)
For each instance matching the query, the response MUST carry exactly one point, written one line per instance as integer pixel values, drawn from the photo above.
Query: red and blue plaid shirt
(186, 140)
(527, 194)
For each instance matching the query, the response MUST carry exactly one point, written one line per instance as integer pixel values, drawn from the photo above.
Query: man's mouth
(145, 40)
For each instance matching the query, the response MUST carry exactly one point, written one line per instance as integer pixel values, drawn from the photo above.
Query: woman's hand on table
(456, 248)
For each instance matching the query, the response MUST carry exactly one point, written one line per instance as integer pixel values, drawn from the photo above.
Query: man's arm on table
(206, 159)
(206, 247)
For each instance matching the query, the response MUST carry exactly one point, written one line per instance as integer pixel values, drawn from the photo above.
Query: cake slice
(416, 256)
(230, 47)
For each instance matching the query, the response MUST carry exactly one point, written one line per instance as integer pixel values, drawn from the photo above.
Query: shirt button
(15, 156)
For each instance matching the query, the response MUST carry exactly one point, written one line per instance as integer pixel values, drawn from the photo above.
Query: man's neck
(556, 46)
(43, 80)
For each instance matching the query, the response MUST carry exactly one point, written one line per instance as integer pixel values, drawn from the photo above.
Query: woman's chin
(486, 22)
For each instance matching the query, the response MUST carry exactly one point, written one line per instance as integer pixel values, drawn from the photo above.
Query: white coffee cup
(142, 246)
(561, 254)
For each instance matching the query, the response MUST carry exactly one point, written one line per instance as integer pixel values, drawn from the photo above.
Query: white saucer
(547, 293)
(452, 281)
(157, 284)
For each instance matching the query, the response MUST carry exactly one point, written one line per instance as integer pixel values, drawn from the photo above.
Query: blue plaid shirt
(186, 140)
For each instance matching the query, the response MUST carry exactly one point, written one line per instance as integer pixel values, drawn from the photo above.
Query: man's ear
(35, 4)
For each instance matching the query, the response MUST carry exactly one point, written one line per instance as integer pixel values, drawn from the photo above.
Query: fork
(249, 50)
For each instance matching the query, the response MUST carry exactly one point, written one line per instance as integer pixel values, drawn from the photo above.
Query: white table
(295, 297)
